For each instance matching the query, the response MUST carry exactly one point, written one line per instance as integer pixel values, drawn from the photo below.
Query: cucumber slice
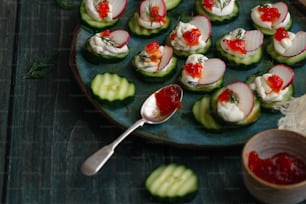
(295, 61)
(97, 58)
(112, 89)
(171, 4)
(202, 88)
(138, 30)
(239, 62)
(251, 118)
(214, 18)
(268, 31)
(92, 23)
(160, 76)
(172, 183)
(184, 54)
(201, 112)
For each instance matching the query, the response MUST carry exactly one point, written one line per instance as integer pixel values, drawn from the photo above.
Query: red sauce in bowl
(168, 99)
(281, 168)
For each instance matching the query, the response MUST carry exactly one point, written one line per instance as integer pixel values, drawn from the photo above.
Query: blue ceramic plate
(181, 129)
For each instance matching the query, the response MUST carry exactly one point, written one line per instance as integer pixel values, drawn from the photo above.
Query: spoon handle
(95, 162)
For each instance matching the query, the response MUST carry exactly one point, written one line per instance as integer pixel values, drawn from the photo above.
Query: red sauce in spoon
(168, 99)
(281, 168)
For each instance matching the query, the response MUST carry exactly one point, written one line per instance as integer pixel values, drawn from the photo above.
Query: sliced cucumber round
(236, 62)
(214, 18)
(201, 112)
(268, 31)
(96, 58)
(202, 88)
(251, 118)
(138, 30)
(92, 23)
(112, 89)
(159, 76)
(171, 4)
(296, 61)
(186, 53)
(172, 183)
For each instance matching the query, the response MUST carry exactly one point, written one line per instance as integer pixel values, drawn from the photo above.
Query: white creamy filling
(229, 112)
(150, 66)
(179, 43)
(222, 7)
(255, 15)
(92, 10)
(237, 33)
(193, 59)
(105, 47)
(146, 23)
(265, 92)
(282, 46)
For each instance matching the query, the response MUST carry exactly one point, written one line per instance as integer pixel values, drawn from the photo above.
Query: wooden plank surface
(54, 129)
(8, 17)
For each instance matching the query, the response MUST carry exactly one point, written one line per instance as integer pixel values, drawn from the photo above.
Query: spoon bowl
(151, 113)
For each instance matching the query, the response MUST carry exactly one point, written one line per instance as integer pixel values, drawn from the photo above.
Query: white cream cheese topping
(105, 46)
(92, 10)
(229, 111)
(193, 59)
(222, 7)
(282, 46)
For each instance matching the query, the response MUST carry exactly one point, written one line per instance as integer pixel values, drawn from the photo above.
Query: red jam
(103, 9)
(192, 36)
(281, 33)
(275, 82)
(168, 99)
(237, 45)
(281, 168)
(269, 14)
(208, 4)
(194, 69)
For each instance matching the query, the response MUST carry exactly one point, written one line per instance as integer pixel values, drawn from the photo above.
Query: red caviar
(168, 99)
(281, 33)
(103, 9)
(192, 36)
(194, 69)
(237, 45)
(281, 168)
(154, 15)
(208, 4)
(275, 82)
(227, 96)
(105, 33)
(152, 47)
(269, 14)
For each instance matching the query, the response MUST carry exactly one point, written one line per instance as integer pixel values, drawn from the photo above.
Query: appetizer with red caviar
(218, 11)
(107, 46)
(151, 18)
(155, 63)
(241, 48)
(202, 74)
(193, 37)
(268, 17)
(288, 47)
(99, 14)
(274, 87)
(234, 105)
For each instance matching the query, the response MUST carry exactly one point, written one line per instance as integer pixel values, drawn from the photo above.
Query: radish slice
(298, 45)
(213, 71)
(283, 10)
(146, 4)
(245, 96)
(285, 73)
(118, 7)
(167, 56)
(120, 37)
(202, 23)
(253, 40)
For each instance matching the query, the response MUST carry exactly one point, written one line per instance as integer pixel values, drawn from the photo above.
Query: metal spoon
(150, 114)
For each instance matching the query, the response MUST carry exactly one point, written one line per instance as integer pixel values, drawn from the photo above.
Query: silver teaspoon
(151, 113)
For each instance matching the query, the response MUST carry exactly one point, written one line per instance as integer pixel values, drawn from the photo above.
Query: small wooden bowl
(267, 144)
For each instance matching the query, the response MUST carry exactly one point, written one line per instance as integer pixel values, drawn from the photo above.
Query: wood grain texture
(54, 128)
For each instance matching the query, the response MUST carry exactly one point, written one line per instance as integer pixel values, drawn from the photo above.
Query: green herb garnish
(41, 68)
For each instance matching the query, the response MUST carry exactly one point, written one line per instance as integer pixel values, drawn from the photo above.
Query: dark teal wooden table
(48, 128)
